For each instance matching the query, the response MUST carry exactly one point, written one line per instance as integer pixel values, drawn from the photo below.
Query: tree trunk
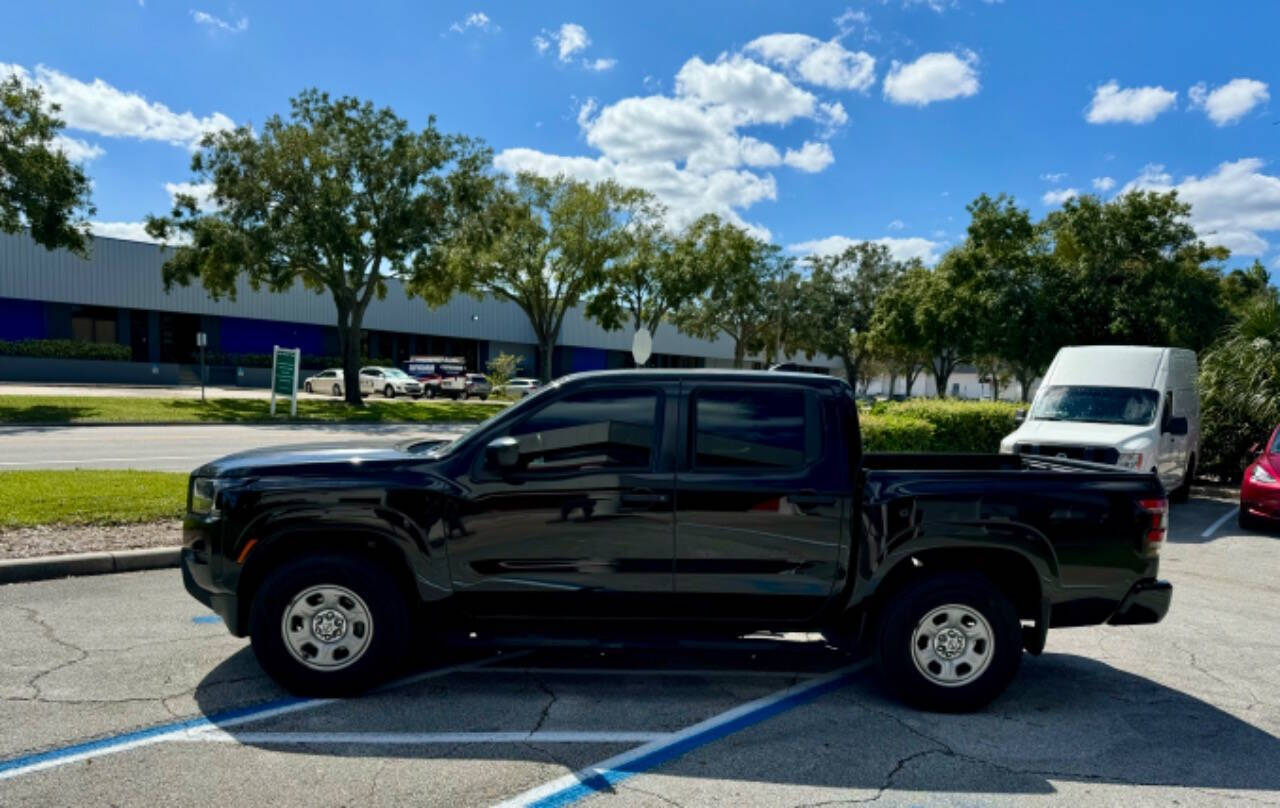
(349, 350)
(1025, 379)
(850, 370)
(739, 351)
(941, 376)
(912, 373)
(546, 352)
(893, 382)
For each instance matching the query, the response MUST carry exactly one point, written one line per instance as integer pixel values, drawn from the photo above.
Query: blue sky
(813, 123)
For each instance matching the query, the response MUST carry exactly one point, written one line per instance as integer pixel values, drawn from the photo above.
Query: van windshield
(1135, 406)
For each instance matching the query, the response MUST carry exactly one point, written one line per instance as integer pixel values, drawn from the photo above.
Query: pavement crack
(552, 698)
(654, 794)
(48, 632)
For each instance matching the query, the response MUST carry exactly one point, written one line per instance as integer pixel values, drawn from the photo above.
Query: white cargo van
(1125, 405)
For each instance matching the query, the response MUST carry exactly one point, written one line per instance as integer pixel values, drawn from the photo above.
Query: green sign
(285, 381)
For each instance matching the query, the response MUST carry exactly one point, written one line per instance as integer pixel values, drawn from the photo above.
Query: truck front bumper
(1147, 602)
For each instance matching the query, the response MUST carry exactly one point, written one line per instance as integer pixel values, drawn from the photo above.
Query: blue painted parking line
(202, 619)
(602, 776)
(175, 730)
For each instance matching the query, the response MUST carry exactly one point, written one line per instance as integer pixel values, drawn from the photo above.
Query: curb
(43, 568)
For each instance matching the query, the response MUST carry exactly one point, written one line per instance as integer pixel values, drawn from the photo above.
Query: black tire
(388, 624)
(484, 397)
(308, 387)
(906, 611)
(463, 395)
(337, 390)
(1182, 493)
(388, 392)
(431, 392)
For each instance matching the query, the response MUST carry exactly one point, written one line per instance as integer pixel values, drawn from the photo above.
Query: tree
(1135, 272)
(840, 300)
(341, 197)
(544, 244)
(926, 312)
(1003, 265)
(40, 188)
(737, 268)
(1241, 287)
(501, 368)
(653, 276)
(1240, 389)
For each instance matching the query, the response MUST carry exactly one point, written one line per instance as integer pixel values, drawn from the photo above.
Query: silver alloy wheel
(327, 627)
(952, 645)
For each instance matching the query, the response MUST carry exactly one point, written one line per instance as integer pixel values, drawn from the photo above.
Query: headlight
(204, 495)
(1130, 460)
(1261, 475)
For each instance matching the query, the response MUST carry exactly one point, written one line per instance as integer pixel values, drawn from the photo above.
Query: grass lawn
(83, 409)
(83, 497)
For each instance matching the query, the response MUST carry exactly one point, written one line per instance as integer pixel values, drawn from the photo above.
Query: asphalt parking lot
(122, 690)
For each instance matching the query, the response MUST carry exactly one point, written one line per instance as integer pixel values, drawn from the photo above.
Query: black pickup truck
(671, 502)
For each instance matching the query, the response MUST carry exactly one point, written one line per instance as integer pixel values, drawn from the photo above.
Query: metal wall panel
(127, 274)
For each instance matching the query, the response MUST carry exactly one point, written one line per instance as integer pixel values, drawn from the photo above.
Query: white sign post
(641, 347)
(285, 366)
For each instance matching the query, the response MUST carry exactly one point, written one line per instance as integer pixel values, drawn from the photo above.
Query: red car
(1260, 488)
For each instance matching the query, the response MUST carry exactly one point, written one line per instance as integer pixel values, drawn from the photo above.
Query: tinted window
(596, 430)
(749, 428)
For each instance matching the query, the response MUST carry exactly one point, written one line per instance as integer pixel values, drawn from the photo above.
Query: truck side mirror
(1176, 426)
(1020, 415)
(503, 452)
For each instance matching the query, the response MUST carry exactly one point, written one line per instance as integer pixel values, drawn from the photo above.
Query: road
(122, 690)
(177, 448)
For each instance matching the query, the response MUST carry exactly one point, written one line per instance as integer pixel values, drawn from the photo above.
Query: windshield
(396, 373)
(1135, 406)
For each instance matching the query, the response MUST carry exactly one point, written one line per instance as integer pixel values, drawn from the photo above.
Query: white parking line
(99, 460)
(416, 738)
(737, 674)
(1222, 520)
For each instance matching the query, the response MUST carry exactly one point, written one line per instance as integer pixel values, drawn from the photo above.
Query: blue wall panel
(21, 319)
(238, 335)
(588, 359)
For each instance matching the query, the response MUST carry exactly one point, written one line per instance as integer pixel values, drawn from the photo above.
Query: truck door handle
(634, 499)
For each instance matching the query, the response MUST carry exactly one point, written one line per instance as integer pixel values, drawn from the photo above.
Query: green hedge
(64, 349)
(955, 426)
(895, 433)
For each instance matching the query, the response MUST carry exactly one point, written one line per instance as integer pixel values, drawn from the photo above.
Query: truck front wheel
(329, 625)
(949, 642)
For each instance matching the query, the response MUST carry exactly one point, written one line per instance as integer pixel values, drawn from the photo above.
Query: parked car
(389, 382)
(1260, 488)
(520, 387)
(439, 375)
(326, 381)
(477, 387)
(676, 502)
(1131, 406)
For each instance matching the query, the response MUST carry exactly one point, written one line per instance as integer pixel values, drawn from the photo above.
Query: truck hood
(306, 458)
(1077, 433)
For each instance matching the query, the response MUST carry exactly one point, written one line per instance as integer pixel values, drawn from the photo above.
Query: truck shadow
(1065, 718)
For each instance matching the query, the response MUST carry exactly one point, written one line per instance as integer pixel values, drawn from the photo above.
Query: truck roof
(712, 374)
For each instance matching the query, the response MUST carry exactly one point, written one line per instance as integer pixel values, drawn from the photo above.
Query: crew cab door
(760, 500)
(581, 527)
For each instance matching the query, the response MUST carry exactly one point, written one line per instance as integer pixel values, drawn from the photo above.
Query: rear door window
(751, 428)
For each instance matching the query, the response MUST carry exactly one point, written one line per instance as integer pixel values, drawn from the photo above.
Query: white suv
(389, 382)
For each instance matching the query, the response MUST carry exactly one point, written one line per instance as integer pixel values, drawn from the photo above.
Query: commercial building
(117, 295)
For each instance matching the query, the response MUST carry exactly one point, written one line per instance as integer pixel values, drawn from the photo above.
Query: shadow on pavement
(1065, 717)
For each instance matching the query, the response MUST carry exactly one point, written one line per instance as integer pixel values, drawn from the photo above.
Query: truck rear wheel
(329, 625)
(950, 642)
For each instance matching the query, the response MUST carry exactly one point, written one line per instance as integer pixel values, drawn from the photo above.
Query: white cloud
(77, 150)
(933, 5)
(849, 19)
(932, 77)
(1231, 206)
(902, 249)
(811, 158)
(541, 43)
(748, 90)
(897, 224)
(202, 191)
(598, 65)
(130, 231)
(218, 24)
(825, 64)
(569, 38)
(1058, 196)
(476, 19)
(1111, 104)
(1103, 184)
(102, 109)
(1230, 102)
(1054, 177)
